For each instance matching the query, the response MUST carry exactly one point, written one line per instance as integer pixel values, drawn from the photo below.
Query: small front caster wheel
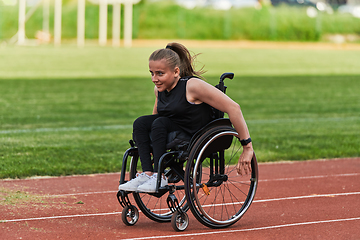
(130, 215)
(179, 221)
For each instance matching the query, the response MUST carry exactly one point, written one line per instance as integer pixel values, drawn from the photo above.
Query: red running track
(317, 199)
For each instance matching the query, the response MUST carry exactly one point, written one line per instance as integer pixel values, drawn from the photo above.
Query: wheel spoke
(228, 191)
(154, 207)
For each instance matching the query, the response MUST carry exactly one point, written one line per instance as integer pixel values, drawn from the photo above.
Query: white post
(81, 23)
(102, 22)
(22, 14)
(128, 23)
(57, 22)
(116, 24)
(46, 14)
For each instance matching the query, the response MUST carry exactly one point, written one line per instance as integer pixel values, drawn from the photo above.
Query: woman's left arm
(156, 100)
(200, 91)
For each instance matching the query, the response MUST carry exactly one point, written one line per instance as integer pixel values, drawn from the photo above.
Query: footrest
(123, 198)
(173, 203)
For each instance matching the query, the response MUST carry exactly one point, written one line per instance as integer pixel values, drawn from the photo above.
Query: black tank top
(188, 116)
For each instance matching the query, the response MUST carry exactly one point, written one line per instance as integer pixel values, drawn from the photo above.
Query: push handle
(226, 75)
(222, 87)
(223, 76)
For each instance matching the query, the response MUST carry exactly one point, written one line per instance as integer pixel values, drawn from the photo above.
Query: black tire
(222, 200)
(130, 215)
(179, 221)
(155, 206)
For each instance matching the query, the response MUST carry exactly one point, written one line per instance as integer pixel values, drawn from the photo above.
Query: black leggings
(152, 129)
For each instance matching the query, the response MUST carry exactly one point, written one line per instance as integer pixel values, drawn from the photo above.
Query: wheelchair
(202, 177)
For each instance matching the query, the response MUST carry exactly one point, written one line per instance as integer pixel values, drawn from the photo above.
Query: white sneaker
(150, 185)
(133, 184)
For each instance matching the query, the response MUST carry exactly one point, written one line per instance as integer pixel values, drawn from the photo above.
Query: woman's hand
(244, 164)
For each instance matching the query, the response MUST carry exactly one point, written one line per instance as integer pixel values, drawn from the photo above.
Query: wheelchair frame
(206, 157)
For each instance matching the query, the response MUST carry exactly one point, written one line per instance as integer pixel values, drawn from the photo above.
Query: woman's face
(163, 76)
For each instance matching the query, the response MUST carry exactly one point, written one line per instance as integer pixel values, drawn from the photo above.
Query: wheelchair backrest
(218, 115)
(221, 86)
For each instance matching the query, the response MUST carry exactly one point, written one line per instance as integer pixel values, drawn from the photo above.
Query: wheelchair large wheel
(154, 206)
(217, 196)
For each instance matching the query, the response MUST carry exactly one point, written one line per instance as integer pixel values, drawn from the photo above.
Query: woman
(182, 103)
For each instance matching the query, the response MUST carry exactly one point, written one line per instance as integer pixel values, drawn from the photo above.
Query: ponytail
(177, 55)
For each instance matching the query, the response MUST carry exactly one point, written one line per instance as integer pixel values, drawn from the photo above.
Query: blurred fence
(167, 20)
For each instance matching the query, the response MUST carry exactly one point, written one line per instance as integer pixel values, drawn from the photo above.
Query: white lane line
(310, 177)
(65, 129)
(84, 193)
(282, 199)
(255, 201)
(255, 121)
(308, 196)
(261, 180)
(262, 163)
(58, 217)
(302, 120)
(248, 229)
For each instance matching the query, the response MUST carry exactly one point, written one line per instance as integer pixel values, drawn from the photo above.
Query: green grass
(95, 62)
(11, 197)
(69, 111)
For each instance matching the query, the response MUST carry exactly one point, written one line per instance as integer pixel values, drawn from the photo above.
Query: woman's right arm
(204, 92)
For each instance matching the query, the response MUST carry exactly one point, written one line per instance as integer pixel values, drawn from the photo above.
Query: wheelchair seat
(177, 140)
